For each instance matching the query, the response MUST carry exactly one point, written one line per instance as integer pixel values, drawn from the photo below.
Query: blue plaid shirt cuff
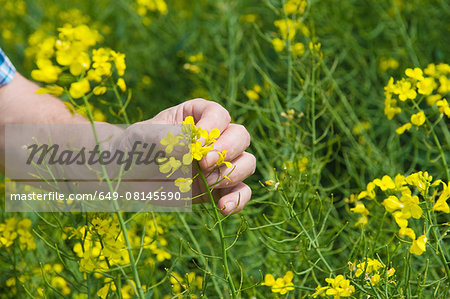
(7, 69)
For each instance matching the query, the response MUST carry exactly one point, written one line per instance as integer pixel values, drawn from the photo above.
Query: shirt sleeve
(7, 69)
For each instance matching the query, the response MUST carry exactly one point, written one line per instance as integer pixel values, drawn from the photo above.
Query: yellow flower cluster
(13, 230)
(293, 7)
(193, 63)
(199, 142)
(402, 204)
(145, 7)
(280, 285)
(287, 30)
(372, 269)
(53, 273)
(433, 83)
(184, 287)
(337, 287)
(69, 61)
(388, 63)
(102, 244)
(10, 11)
(253, 93)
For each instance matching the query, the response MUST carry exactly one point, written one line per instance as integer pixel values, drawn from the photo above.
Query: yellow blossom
(415, 73)
(405, 90)
(54, 90)
(79, 89)
(99, 90)
(419, 245)
(184, 184)
(298, 49)
(121, 84)
(443, 107)
(441, 203)
(221, 160)
(402, 129)
(369, 192)
(407, 232)
(418, 119)
(280, 285)
(340, 287)
(278, 44)
(426, 86)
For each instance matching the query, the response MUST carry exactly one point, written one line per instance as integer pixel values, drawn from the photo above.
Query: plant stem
(221, 234)
(436, 237)
(137, 280)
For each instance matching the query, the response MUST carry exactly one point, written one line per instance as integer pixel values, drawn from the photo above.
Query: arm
(19, 103)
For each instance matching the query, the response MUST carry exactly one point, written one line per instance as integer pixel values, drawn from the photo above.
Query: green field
(346, 105)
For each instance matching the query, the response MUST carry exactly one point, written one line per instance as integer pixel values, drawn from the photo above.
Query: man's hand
(233, 193)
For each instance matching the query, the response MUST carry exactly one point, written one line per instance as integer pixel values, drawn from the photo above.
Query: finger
(207, 114)
(235, 139)
(243, 167)
(234, 199)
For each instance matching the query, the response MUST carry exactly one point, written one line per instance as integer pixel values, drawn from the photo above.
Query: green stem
(221, 234)
(436, 141)
(436, 237)
(116, 207)
(119, 100)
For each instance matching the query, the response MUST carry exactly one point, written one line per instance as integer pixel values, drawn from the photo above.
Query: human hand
(233, 194)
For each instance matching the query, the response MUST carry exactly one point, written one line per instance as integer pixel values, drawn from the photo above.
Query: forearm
(19, 104)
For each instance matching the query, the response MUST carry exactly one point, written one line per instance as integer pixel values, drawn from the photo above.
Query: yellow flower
(170, 142)
(368, 266)
(46, 72)
(418, 119)
(221, 160)
(199, 151)
(99, 90)
(385, 183)
(400, 219)
(360, 208)
(252, 95)
(443, 107)
(431, 100)
(426, 86)
(278, 44)
(280, 285)
(170, 165)
(392, 203)
(402, 129)
(295, 7)
(405, 90)
(211, 136)
(298, 49)
(369, 192)
(340, 287)
(54, 90)
(441, 203)
(119, 62)
(390, 272)
(375, 279)
(79, 89)
(415, 73)
(121, 84)
(419, 245)
(411, 206)
(286, 28)
(444, 86)
(407, 232)
(184, 184)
